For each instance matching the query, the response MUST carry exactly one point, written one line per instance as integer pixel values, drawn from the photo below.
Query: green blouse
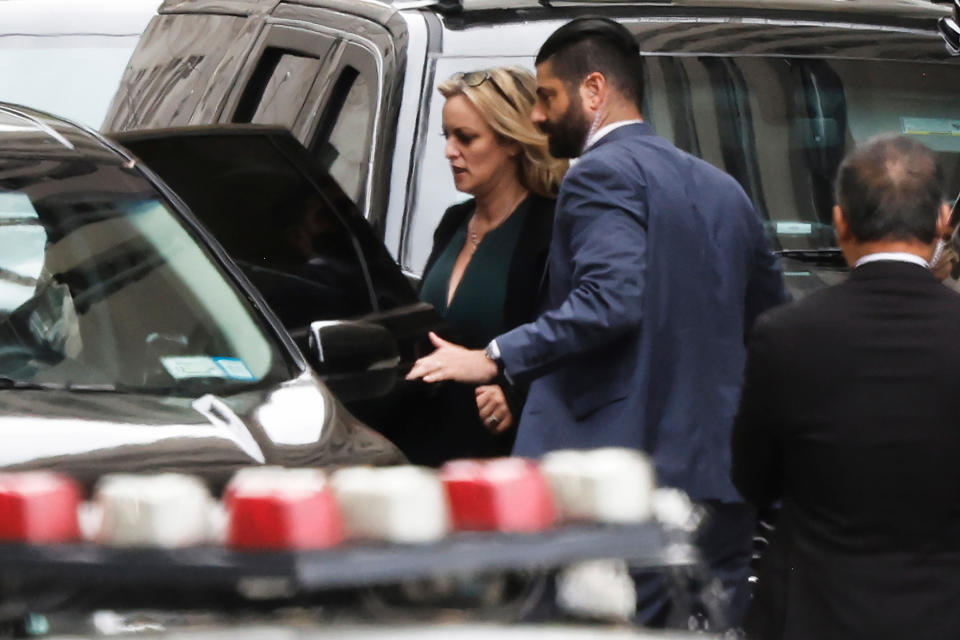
(476, 310)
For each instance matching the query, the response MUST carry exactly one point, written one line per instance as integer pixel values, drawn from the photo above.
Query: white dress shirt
(605, 129)
(895, 256)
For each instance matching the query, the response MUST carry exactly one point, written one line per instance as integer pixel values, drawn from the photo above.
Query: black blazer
(529, 258)
(850, 414)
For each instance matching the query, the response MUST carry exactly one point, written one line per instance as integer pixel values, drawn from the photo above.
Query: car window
(277, 88)
(779, 125)
(284, 229)
(21, 251)
(341, 143)
(101, 284)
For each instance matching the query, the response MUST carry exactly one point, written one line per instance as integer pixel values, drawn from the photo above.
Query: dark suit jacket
(851, 415)
(658, 263)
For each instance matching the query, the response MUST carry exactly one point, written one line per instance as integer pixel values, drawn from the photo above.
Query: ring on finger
(492, 420)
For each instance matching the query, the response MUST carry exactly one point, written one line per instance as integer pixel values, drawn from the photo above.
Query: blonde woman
(489, 253)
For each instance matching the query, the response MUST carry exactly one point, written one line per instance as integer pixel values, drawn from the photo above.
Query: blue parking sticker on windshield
(181, 367)
(794, 228)
(234, 368)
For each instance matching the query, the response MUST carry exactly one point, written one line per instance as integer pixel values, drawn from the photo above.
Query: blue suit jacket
(658, 265)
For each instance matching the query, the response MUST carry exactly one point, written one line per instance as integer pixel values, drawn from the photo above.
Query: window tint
(781, 126)
(284, 230)
(390, 288)
(283, 95)
(342, 140)
(277, 88)
(307, 267)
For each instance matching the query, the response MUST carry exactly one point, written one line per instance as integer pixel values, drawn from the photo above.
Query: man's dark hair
(890, 188)
(586, 45)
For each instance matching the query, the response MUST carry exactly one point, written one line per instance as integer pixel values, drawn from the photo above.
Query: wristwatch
(493, 353)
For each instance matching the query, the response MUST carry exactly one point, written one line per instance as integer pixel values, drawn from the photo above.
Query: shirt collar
(604, 130)
(896, 256)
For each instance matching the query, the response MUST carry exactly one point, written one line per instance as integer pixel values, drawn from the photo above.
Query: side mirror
(357, 360)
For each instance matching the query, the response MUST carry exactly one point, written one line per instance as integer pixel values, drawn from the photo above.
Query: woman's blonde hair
(505, 96)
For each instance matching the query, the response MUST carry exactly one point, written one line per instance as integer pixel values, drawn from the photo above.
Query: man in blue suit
(658, 265)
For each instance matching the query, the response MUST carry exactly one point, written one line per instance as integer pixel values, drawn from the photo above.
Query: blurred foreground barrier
(280, 533)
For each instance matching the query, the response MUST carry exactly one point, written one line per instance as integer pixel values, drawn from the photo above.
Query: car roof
(930, 7)
(898, 8)
(26, 132)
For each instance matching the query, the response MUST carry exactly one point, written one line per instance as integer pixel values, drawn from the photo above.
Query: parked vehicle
(129, 341)
(774, 93)
(67, 57)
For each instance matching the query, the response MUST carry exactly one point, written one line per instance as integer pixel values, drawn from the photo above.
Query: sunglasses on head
(474, 79)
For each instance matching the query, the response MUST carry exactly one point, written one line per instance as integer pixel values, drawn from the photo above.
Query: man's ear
(943, 222)
(840, 224)
(593, 90)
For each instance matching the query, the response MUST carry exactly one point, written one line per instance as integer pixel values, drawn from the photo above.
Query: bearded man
(658, 265)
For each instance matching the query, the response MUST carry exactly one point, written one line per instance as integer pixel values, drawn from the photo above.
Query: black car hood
(88, 434)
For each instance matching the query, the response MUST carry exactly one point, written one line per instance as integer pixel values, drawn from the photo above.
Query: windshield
(102, 286)
(779, 125)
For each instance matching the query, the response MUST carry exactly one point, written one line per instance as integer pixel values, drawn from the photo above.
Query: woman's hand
(493, 408)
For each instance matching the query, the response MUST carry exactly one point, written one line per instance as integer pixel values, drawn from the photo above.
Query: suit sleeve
(604, 218)
(756, 447)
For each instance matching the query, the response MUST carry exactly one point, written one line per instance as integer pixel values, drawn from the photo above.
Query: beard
(567, 135)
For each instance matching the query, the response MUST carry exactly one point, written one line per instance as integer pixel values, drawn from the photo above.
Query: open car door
(299, 239)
